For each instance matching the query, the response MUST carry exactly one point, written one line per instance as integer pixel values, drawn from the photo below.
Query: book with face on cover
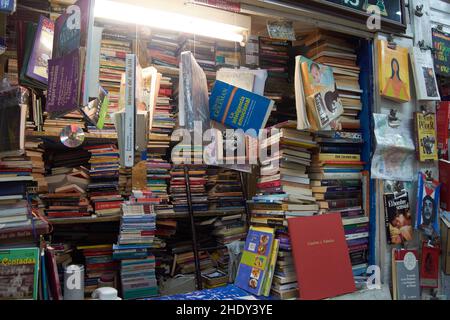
(393, 72)
(255, 261)
(426, 140)
(322, 99)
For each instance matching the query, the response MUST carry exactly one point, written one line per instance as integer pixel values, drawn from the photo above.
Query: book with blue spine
(239, 108)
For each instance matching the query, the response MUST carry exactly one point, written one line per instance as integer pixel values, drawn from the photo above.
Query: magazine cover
(393, 72)
(428, 205)
(397, 217)
(255, 260)
(322, 98)
(441, 42)
(95, 111)
(42, 51)
(19, 273)
(426, 140)
(424, 76)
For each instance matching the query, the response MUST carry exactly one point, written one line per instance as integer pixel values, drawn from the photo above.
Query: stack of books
(104, 187)
(163, 118)
(283, 190)
(158, 176)
(224, 190)
(113, 49)
(54, 126)
(284, 282)
(163, 49)
(34, 151)
(137, 235)
(336, 179)
(339, 52)
(71, 203)
(197, 182)
(125, 183)
(184, 262)
(228, 54)
(100, 268)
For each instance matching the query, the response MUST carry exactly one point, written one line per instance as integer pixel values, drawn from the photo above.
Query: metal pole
(194, 233)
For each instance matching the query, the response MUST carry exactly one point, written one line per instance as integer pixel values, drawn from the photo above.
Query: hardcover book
(42, 51)
(424, 76)
(393, 72)
(405, 274)
(444, 179)
(19, 273)
(239, 108)
(322, 99)
(429, 266)
(442, 123)
(319, 242)
(255, 261)
(398, 218)
(425, 125)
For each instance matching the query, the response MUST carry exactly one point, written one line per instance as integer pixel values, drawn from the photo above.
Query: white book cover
(424, 76)
(130, 109)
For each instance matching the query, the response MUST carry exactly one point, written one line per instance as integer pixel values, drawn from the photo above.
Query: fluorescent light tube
(129, 13)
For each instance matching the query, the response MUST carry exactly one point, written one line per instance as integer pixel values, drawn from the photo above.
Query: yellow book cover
(271, 270)
(339, 157)
(393, 72)
(425, 125)
(322, 98)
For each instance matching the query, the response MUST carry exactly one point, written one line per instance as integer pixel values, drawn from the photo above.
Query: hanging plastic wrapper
(193, 95)
(13, 111)
(394, 157)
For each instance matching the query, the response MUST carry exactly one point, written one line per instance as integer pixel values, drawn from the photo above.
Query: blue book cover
(7, 6)
(255, 260)
(238, 108)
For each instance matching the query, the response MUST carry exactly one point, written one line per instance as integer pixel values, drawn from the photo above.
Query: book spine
(130, 78)
(107, 205)
(339, 157)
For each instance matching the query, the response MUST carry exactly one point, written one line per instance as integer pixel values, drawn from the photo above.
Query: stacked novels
(70, 203)
(163, 49)
(178, 188)
(137, 235)
(54, 126)
(184, 263)
(113, 49)
(214, 278)
(284, 282)
(34, 151)
(64, 161)
(204, 51)
(158, 176)
(125, 183)
(104, 186)
(228, 54)
(336, 181)
(163, 118)
(283, 191)
(100, 268)
(339, 52)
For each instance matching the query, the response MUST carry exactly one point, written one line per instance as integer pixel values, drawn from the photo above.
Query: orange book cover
(393, 72)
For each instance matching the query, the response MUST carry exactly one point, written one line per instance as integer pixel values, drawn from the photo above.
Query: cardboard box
(445, 238)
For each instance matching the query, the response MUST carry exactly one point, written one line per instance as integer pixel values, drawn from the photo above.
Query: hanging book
(397, 217)
(393, 72)
(424, 77)
(405, 274)
(425, 126)
(441, 42)
(322, 99)
(428, 205)
(42, 51)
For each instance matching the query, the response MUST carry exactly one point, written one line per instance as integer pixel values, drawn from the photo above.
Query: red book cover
(442, 122)
(107, 205)
(52, 271)
(444, 178)
(429, 266)
(321, 258)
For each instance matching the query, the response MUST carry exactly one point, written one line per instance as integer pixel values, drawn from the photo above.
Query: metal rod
(194, 232)
(244, 192)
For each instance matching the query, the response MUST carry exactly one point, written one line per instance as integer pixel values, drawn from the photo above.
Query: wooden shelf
(83, 220)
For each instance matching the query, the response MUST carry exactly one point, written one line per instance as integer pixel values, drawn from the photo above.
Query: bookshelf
(83, 220)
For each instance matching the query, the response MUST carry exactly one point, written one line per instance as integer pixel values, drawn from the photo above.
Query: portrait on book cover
(398, 216)
(430, 82)
(428, 205)
(394, 72)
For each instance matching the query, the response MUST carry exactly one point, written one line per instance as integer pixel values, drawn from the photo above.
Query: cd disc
(72, 136)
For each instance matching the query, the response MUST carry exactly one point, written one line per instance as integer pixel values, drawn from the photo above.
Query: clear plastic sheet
(13, 109)
(193, 94)
(394, 157)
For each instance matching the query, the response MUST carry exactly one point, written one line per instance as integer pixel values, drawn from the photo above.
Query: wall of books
(275, 158)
